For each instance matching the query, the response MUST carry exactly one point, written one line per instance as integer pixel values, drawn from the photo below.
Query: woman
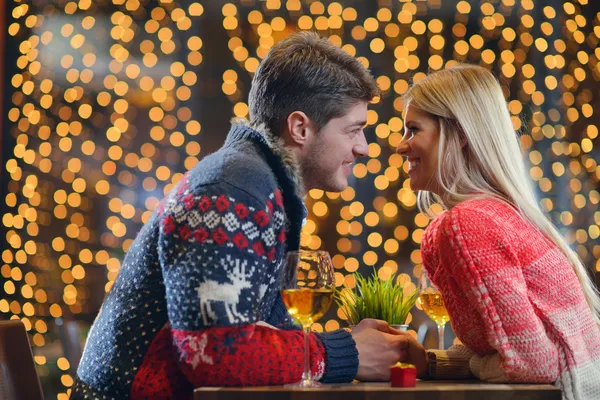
(519, 298)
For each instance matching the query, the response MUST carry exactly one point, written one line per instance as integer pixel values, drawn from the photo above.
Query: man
(198, 295)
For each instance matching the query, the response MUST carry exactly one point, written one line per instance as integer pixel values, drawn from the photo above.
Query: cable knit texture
(200, 275)
(513, 298)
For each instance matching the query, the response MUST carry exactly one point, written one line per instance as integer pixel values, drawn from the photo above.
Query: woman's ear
(456, 127)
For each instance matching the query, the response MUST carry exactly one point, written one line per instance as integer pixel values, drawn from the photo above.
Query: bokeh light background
(108, 103)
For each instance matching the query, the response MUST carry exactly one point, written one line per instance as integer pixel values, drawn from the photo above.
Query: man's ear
(299, 127)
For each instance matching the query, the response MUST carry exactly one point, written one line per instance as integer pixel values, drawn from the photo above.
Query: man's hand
(379, 347)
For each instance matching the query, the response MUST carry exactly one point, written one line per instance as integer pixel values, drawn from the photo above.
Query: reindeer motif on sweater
(211, 291)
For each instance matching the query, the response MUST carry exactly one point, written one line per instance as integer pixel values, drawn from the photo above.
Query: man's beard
(312, 170)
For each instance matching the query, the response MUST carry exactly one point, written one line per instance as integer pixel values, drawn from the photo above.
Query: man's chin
(333, 187)
(336, 187)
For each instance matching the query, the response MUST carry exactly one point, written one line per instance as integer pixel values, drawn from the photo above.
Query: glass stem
(441, 337)
(306, 375)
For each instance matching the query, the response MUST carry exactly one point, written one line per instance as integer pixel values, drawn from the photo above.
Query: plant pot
(401, 328)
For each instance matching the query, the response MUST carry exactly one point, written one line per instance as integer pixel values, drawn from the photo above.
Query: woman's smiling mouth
(413, 163)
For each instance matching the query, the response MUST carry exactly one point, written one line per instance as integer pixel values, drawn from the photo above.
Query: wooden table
(425, 390)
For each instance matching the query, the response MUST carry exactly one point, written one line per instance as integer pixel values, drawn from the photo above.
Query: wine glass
(433, 305)
(307, 286)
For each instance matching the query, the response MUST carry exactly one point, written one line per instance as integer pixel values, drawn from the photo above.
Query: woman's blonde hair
(479, 152)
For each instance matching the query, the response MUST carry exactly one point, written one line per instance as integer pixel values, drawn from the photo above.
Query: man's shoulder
(230, 169)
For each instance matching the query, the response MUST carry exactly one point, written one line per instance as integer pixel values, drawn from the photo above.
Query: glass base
(305, 383)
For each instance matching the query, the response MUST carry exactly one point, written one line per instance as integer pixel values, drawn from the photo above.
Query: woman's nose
(403, 147)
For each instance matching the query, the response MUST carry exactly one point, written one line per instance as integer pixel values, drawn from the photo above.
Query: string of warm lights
(103, 127)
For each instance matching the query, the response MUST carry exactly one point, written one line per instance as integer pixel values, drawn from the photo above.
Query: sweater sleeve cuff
(448, 364)
(488, 368)
(341, 360)
(475, 366)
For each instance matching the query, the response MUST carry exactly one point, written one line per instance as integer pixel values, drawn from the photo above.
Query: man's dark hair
(304, 72)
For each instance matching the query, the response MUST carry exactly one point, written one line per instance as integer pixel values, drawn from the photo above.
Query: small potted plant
(374, 297)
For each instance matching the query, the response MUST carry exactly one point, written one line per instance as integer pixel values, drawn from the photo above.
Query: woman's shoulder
(484, 205)
(483, 211)
(475, 217)
(470, 222)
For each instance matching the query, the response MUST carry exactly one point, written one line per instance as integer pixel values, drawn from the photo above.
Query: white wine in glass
(307, 305)
(307, 286)
(433, 305)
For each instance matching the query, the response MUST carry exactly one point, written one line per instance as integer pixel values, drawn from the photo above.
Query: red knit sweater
(513, 298)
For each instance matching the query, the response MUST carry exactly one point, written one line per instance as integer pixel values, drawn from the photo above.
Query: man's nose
(361, 149)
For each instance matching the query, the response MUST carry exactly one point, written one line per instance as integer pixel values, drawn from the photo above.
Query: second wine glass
(433, 305)
(307, 287)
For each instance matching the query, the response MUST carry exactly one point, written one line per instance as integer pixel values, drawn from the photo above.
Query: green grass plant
(373, 297)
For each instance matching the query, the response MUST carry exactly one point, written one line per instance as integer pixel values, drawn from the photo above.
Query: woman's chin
(414, 185)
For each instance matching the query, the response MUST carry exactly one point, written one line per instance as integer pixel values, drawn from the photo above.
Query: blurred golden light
(149, 136)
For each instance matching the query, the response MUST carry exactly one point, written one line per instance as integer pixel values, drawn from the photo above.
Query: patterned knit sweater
(201, 274)
(514, 301)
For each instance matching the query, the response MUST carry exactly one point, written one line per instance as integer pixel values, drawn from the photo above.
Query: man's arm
(218, 253)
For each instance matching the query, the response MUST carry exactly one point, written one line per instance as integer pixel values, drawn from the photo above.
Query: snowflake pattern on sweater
(237, 240)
